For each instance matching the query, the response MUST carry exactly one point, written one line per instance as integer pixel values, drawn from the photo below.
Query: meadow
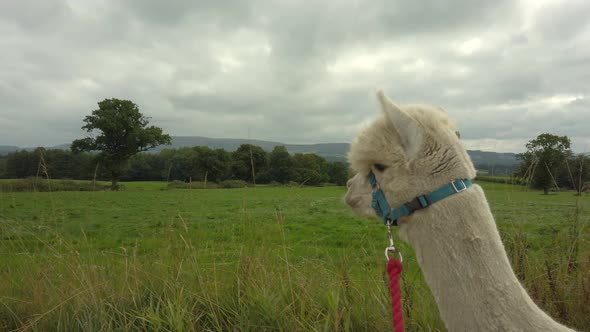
(252, 259)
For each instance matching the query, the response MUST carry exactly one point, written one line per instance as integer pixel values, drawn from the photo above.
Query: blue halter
(390, 216)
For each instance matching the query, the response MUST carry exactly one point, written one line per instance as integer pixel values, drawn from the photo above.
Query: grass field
(252, 259)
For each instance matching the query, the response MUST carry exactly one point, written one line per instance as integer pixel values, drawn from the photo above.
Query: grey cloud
(34, 15)
(230, 14)
(525, 122)
(563, 20)
(231, 68)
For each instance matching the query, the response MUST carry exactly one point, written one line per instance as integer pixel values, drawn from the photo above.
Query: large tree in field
(544, 159)
(117, 130)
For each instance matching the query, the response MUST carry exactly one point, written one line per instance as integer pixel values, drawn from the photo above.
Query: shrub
(176, 184)
(45, 185)
(233, 184)
(501, 179)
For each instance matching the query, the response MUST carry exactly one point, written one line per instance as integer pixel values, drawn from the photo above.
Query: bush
(228, 184)
(45, 185)
(501, 179)
(233, 184)
(176, 184)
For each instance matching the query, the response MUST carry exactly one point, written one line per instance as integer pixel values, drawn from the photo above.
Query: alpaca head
(411, 149)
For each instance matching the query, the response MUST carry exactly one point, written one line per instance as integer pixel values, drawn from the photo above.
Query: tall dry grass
(182, 288)
(249, 283)
(558, 278)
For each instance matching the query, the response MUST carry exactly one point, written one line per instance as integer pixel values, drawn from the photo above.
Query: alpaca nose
(349, 183)
(351, 200)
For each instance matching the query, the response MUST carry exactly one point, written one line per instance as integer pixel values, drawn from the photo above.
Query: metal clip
(393, 250)
(392, 247)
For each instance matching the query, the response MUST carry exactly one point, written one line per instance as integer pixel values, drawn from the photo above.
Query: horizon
(234, 138)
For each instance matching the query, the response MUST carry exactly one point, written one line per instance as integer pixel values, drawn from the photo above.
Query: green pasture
(251, 259)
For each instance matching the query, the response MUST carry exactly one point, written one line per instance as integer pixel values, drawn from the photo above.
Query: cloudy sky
(296, 71)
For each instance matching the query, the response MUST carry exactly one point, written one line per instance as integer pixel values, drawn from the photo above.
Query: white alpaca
(413, 150)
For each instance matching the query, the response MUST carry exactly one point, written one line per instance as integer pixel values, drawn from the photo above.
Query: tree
(2, 167)
(281, 164)
(121, 132)
(310, 169)
(580, 172)
(248, 161)
(63, 164)
(544, 160)
(21, 164)
(213, 164)
(338, 173)
(145, 167)
(181, 165)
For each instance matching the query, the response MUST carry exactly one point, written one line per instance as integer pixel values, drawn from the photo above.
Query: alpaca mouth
(352, 201)
(359, 204)
(356, 201)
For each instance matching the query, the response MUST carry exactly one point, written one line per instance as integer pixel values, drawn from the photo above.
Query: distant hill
(330, 151)
(495, 158)
(5, 149)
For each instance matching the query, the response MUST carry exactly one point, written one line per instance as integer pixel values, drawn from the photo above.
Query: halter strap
(390, 216)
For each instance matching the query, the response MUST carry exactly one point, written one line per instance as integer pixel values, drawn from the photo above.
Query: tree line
(118, 133)
(547, 163)
(249, 163)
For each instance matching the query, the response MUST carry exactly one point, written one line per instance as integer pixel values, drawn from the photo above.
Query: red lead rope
(394, 269)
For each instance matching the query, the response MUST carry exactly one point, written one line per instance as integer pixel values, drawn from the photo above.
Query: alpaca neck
(464, 262)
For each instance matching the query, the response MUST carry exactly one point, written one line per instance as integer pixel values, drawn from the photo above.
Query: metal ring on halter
(393, 250)
(376, 187)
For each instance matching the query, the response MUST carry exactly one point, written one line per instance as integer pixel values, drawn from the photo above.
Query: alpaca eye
(380, 167)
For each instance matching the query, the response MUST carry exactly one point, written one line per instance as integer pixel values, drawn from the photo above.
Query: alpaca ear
(410, 132)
